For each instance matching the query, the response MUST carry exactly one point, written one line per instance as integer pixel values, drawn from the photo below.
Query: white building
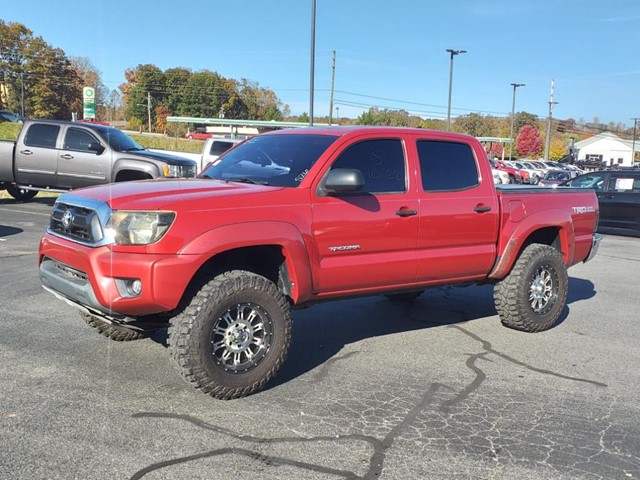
(607, 148)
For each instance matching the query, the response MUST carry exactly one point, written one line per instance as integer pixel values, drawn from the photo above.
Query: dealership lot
(371, 389)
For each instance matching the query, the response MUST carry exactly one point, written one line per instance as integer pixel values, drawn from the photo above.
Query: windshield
(555, 175)
(279, 160)
(120, 142)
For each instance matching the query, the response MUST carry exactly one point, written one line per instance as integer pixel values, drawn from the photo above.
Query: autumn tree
(88, 76)
(394, 118)
(37, 77)
(529, 142)
(557, 148)
(202, 94)
(524, 118)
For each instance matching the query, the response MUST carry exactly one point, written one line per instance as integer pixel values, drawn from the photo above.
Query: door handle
(405, 212)
(482, 208)
(66, 156)
(26, 152)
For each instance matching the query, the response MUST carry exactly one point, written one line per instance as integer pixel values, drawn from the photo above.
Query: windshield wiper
(246, 180)
(132, 149)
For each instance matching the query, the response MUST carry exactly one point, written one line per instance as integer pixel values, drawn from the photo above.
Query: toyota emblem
(67, 218)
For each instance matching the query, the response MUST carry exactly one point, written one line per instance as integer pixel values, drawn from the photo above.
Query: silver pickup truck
(57, 156)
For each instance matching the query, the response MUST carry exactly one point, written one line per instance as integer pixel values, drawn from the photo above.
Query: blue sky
(390, 54)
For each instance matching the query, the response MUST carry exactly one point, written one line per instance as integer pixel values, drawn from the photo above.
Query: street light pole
(633, 144)
(513, 112)
(313, 60)
(453, 53)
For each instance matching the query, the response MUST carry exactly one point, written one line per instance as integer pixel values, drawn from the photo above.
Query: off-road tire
(21, 194)
(233, 336)
(406, 297)
(119, 334)
(533, 295)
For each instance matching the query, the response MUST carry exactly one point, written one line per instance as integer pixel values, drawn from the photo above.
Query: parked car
(618, 193)
(553, 178)
(213, 148)
(57, 155)
(514, 173)
(529, 175)
(197, 135)
(500, 176)
(7, 116)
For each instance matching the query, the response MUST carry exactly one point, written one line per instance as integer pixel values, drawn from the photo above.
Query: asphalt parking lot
(371, 389)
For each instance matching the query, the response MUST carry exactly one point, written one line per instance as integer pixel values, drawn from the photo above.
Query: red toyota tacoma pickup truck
(293, 217)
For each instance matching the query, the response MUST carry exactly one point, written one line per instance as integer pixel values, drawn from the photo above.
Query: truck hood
(168, 194)
(163, 157)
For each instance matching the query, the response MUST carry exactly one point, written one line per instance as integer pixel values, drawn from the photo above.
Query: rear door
(459, 214)
(367, 239)
(78, 166)
(37, 155)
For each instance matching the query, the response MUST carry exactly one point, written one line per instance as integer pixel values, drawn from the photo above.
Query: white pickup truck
(213, 148)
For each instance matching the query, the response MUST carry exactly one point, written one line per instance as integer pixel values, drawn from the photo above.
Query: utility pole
(333, 82)
(633, 144)
(513, 113)
(22, 94)
(548, 142)
(149, 109)
(338, 115)
(453, 53)
(313, 60)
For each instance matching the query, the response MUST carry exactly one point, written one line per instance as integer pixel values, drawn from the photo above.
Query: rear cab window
(447, 166)
(42, 135)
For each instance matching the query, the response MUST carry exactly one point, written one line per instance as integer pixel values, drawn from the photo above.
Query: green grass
(4, 194)
(9, 130)
(168, 143)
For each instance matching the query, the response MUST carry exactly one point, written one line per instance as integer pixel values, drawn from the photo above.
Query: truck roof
(341, 130)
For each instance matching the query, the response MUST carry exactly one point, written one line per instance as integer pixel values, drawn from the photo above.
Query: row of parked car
(618, 191)
(533, 172)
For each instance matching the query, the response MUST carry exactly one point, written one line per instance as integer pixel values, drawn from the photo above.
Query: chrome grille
(76, 223)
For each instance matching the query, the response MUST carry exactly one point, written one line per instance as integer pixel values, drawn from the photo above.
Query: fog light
(129, 287)
(134, 287)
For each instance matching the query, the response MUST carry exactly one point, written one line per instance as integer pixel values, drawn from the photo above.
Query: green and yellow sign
(89, 103)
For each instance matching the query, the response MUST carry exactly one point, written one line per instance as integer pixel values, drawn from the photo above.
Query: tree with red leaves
(529, 142)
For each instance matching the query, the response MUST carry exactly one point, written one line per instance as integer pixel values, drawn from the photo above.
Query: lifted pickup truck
(58, 156)
(293, 217)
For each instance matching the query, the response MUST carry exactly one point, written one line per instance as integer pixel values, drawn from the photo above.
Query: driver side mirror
(343, 180)
(96, 147)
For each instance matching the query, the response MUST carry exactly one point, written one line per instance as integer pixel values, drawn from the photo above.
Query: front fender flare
(250, 234)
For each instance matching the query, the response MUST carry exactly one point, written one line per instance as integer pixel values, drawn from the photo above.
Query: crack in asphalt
(497, 446)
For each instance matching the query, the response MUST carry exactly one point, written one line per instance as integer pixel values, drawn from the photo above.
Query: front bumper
(595, 245)
(90, 278)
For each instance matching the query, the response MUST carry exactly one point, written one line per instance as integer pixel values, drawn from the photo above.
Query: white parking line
(26, 211)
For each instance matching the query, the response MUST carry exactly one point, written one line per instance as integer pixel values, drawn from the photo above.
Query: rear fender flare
(511, 242)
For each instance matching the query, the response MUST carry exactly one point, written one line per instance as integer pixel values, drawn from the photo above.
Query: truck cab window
(79, 140)
(381, 162)
(447, 166)
(42, 135)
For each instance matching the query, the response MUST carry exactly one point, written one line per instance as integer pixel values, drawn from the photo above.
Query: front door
(367, 239)
(78, 165)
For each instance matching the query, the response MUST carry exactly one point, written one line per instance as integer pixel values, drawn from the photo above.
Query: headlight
(178, 171)
(138, 228)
